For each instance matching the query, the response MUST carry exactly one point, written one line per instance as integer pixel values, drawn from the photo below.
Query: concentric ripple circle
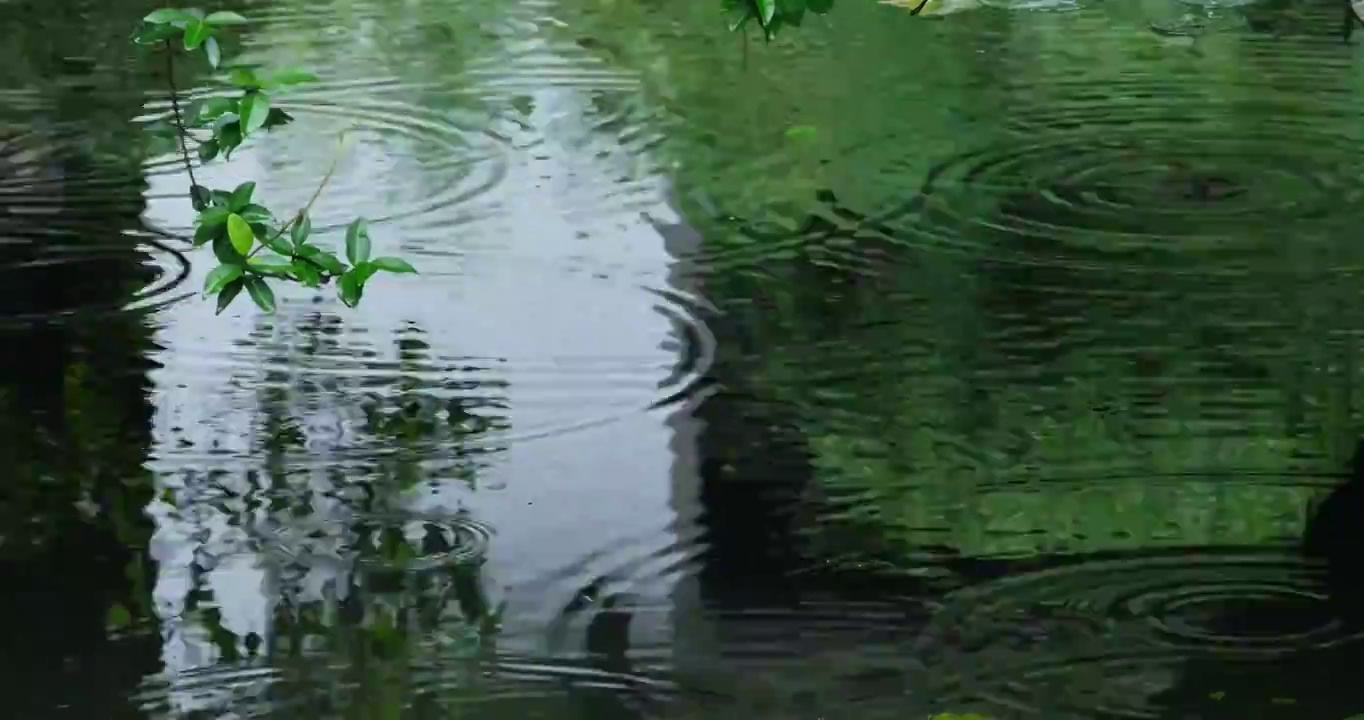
(1225, 602)
(417, 543)
(71, 241)
(1139, 197)
(395, 162)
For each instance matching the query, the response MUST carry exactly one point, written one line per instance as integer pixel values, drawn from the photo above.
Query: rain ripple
(1123, 619)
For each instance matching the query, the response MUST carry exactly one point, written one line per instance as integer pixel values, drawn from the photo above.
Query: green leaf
(277, 266)
(222, 199)
(205, 233)
(357, 241)
(200, 197)
(225, 17)
(302, 228)
(225, 252)
(306, 273)
(255, 108)
(257, 215)
(228, 294)
(819, 7)
(118, 617)
(244, 77)
(277, 243)
(290, 76)
(214, 108)
(744, 17)
(323, 259)
(213, 52)
(167, 15)
(241, 196)
(208, 150)
(219, 277)
(393, 265)
(767, 9)
(213, 216)
(239, 231)
(261, 293)
(152, 34)
(229, 136)
(350, 288)
(363, 272)
(277, 118)
(196, 32)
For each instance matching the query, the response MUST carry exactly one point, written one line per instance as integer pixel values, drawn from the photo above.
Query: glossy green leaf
(277, 118)
(257, 215)
(214, 108)
(241, 196)
(323, 259)
(350, 288)
(200, 197)
(301, 229)
(819, 7)
(363, 272)
(290, 76)
(168, 15)
(225, 252)
(261, 293)
(204, 233)
(219, 277)
(357, 241)
(213, 217)
(152, 34)
(222, 199)
(196, 32)
(213, 52)
(244, 77)
(208, 150)
(254, 109)
(276, 242)
(767, 9)
(745, 15)
(276, 266)
(228, 294)
(306, 273)
(239, 232)
(118, 617)
(229, 137)
(393, 265)
(225, 17)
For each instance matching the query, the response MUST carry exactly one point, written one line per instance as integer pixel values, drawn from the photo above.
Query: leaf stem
(179, 120)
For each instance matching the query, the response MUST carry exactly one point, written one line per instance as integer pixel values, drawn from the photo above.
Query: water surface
(902, 365)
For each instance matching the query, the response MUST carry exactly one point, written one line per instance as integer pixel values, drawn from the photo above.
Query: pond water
(987, 361)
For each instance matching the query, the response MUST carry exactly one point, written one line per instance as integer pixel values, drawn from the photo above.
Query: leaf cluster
(251, 246)
(772, 15)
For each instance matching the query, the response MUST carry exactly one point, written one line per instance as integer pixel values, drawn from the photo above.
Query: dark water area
(991, 362)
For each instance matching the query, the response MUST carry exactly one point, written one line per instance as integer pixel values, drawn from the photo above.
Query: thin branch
(179, 121)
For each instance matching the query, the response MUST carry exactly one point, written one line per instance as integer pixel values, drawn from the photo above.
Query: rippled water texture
(985, 361)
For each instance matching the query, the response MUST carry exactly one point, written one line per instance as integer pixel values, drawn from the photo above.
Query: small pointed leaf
(393, 265)
(255, 108)
(225, 17)
(228, 294)
(357, 241)
(196, 32)
(261, 293)
(239, 232)
(302, 228)
(219, 277)
(213, 52)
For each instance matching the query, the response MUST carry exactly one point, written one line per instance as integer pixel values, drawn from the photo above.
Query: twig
(179, 121)
(309, 206)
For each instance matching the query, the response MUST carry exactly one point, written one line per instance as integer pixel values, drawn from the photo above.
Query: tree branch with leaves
(251, 246)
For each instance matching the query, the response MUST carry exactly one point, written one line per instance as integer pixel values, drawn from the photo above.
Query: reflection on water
(1005, 385)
